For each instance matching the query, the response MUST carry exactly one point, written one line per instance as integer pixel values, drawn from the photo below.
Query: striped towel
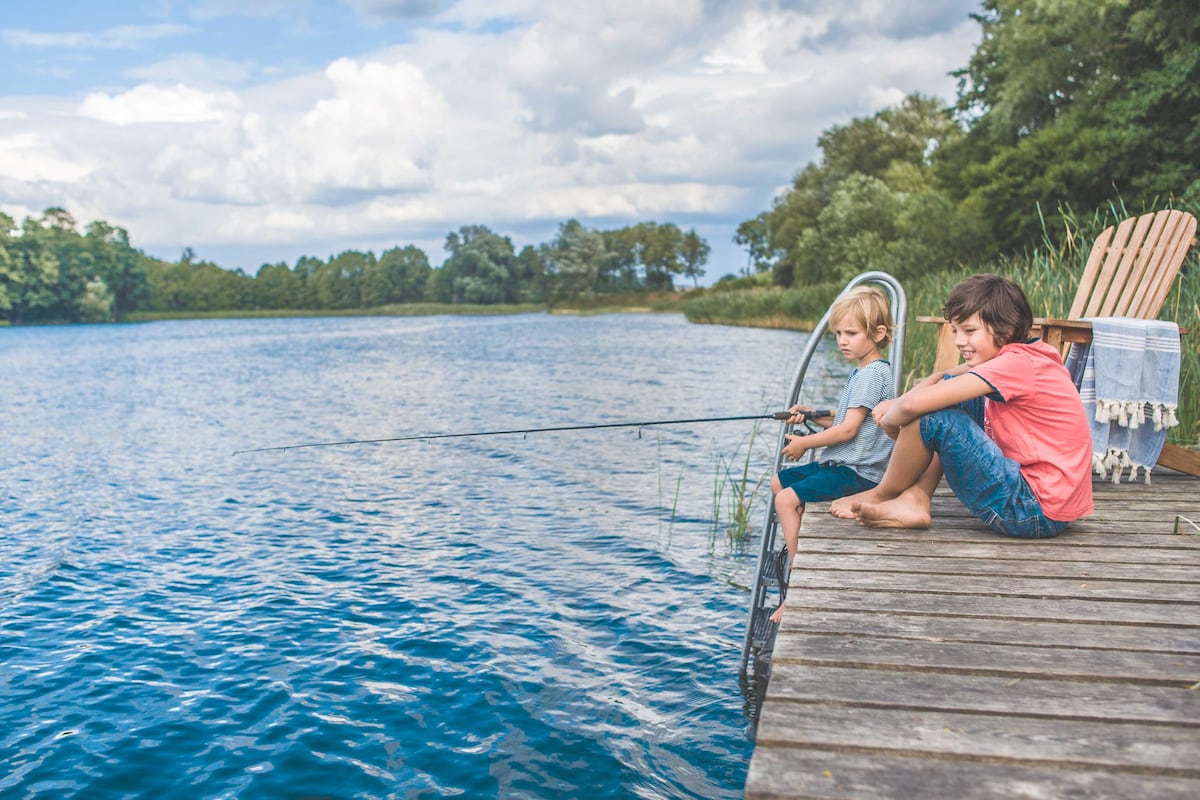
(1129, 382)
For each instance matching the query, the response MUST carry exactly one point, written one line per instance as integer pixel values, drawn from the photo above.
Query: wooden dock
(956, 663)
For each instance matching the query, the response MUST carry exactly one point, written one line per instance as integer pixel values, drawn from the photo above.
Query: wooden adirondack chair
(1128, 274)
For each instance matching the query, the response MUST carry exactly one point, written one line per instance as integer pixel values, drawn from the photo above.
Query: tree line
(52, 272)
(1063, 109)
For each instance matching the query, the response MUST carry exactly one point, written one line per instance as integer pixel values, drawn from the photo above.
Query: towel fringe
(1130, 414)
(1116, 461)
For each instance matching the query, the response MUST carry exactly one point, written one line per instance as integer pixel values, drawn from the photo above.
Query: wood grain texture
(953, 662)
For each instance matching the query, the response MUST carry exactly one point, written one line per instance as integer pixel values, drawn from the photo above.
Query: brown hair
(868, 307)
(1000, 303)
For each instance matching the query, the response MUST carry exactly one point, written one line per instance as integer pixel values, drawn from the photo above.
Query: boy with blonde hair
(856, 449)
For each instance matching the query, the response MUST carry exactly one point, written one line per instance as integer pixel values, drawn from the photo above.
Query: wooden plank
(777, 774)
(985, 584)
(1072, 569)
(1115, 666)
(1047, 740)
(1074, 537)
(1004, 549)
(988, 694)
(1032, 608)
(1102, 634)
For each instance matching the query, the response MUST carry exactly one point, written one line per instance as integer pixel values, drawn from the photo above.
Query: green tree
(118, 265)
(573, 261)
(694, 252)
(755, 236)
(1073, 105)
(32, 295)
(338, 283)
(621, 271)
(9, 276)
(907, 133)
(399, 276)
(197, 285)
(96, 304)
(531, 275)
(858, 209)
(276, 286)
(661, 247)
(481, 266)
(76, 264)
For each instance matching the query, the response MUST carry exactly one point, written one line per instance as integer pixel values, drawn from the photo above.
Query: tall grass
(736, 488)
(793, 309)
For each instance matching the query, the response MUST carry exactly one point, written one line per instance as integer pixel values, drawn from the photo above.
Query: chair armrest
(1058, 333)
(946, 356)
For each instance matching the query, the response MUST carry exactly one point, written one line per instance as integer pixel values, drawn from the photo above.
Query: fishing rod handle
(814, 414)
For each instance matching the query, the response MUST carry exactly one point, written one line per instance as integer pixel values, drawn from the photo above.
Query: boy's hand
(799, 413)
(794, 448)
(880, 410)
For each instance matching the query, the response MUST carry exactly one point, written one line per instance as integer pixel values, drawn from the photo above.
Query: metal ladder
(770, 580)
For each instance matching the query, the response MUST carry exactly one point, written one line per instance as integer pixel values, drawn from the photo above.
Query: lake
(550, 615)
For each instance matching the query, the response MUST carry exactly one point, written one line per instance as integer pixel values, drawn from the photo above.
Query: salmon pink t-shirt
(1036, 418)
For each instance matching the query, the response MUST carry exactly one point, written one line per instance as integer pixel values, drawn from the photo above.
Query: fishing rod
(778, 415)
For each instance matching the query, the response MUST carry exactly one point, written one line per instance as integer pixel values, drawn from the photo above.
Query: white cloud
(196, 69)
(33, 158)
(150, 103)
(119, 38)
(506, 112)
(376, 132)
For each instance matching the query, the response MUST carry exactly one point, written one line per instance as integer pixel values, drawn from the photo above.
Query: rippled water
(550, 616)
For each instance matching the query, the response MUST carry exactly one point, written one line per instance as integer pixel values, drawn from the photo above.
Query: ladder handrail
(899, 305)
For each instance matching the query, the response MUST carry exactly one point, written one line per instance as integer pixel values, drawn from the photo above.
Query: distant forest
(50, 272)
(1063, 109)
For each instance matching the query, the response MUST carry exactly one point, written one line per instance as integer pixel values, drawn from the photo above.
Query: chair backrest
(1132, 265)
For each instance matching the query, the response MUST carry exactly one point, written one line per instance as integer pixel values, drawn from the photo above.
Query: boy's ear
(880, 333)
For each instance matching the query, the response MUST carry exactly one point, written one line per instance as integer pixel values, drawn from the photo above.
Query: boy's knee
(787, 499)
(936, 424)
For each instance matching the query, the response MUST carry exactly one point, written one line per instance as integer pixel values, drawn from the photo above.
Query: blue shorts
(814, 482)
(987, 482)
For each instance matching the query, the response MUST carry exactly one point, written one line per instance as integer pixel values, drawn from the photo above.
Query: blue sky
(258, 131)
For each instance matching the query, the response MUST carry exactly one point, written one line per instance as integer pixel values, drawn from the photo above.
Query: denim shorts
(816, 481)
(986, 481)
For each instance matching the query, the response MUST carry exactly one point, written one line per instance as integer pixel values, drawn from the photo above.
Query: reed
(674, 510)
(742, 485)
(792, 309)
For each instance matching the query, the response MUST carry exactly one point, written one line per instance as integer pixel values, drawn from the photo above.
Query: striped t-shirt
(868, 452)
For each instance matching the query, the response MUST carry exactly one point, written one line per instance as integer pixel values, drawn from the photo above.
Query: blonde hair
(868, 307)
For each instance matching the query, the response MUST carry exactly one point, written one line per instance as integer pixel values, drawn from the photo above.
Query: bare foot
(847, 507)
(777, 617)
(909, 510)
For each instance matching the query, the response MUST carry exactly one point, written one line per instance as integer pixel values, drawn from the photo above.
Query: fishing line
(778, 415)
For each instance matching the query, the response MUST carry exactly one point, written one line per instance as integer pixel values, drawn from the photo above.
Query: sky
(260, 131)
